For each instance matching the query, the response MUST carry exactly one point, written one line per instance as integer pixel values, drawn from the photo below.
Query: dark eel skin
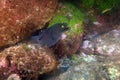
(51, 35)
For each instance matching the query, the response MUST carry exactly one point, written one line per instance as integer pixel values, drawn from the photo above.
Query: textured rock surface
(68, 46)
(26, 61)
(19, 18)
(107, 44)
(90, 67)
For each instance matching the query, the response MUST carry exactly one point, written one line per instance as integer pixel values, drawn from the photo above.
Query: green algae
(103, 6)
(72, 15)
(113, 73)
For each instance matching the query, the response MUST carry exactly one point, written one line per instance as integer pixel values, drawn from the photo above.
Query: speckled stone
(26, 61)
(19, 18)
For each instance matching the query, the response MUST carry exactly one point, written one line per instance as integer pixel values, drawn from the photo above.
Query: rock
(91, 67)
(14, 77)
(19, 18)
(68, 46)
(26, 61)
(106, 44)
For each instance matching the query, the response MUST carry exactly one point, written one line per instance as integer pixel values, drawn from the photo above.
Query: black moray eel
(51, 35)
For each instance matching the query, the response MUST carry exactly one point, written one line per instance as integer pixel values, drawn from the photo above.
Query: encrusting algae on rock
(28, 63)
(19, 18)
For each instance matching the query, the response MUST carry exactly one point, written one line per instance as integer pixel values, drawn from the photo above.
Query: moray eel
(51, 35)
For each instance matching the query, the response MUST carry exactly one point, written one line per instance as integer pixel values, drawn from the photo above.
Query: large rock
(19, 18)
(25, 61)
(107, 44)
(90, 67)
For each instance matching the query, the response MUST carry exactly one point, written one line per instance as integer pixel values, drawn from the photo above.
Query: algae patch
(72, 15)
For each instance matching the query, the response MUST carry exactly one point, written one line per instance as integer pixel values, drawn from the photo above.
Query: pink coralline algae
(24, 61)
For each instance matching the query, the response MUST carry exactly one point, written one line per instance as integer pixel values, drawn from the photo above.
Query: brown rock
(68, 46)
(26, 61)
(19, 18)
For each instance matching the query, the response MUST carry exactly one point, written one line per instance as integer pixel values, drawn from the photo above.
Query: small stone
(14, 77)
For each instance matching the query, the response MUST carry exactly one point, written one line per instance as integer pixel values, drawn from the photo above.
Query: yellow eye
(62, 26)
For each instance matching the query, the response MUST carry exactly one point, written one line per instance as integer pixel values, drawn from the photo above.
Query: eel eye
(62, 26)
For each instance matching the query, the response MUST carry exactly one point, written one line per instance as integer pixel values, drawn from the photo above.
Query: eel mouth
(66, 28)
